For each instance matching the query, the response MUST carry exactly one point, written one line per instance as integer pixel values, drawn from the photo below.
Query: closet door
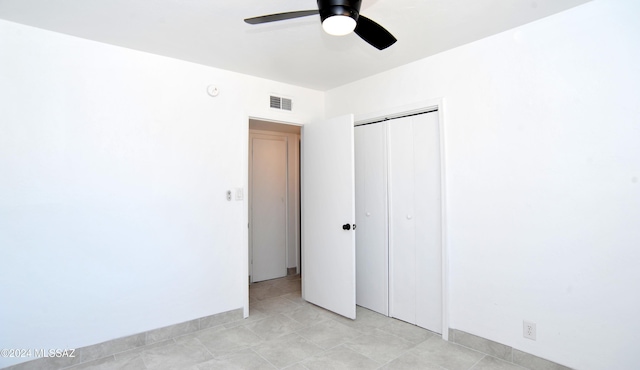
(372, 269)
(414, 221)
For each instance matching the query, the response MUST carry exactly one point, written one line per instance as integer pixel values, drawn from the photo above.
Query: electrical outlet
(529, 330)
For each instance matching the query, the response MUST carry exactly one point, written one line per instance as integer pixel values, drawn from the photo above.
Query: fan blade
(373, 33)
(280, 16)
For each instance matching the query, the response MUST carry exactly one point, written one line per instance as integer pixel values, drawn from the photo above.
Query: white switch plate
(239, 194)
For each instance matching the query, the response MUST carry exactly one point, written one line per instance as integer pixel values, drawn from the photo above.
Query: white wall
(542, 128)
(113, 170)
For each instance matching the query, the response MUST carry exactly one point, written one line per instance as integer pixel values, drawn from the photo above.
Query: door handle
(348, 227)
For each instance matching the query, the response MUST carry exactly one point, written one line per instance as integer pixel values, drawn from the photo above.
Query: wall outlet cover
(529, 330)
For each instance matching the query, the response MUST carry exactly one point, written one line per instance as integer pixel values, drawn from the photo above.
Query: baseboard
(112, 347)
(503, 352)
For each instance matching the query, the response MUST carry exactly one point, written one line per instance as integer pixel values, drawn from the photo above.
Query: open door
(328, 215)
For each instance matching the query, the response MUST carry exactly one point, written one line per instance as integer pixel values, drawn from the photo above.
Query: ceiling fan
(339, 17)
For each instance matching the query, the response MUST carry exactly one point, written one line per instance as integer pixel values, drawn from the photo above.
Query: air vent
(286, 104)
(277, 102)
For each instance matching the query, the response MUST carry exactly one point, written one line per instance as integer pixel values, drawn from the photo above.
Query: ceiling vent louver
(277, 102)
(286, 104)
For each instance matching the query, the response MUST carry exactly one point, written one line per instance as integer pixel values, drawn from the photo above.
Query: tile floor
(285, 332)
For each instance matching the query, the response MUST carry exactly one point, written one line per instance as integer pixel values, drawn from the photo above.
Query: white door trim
(413, 108)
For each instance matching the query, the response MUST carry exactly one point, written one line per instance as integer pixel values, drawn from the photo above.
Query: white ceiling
(212, 32)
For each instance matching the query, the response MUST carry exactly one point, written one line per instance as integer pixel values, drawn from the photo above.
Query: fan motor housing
(329, 8)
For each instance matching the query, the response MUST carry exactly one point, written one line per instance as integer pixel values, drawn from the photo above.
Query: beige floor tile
(340, 358)
(484, 345)
(182, 354)
(274, 326)
(296, 366)
(110, 363)
(446, 354)
(308, 315)
(328, 333)
(222, 342)
(380, 346)
(492, 363)
(221, 319)
(296, 297)
(172, 331)
(261, 291)
(289, 286)
(241, 360)
(254, 315)
(276, 305)
(138, 351)
(534, 362)
(366, 320)
(409, 361)
(406, 331)
(287, 350)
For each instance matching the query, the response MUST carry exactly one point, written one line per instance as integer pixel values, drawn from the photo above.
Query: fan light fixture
(338, 17)
(339, 25)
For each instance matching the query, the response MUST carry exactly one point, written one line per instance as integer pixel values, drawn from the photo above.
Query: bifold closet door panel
(414, 220)
(428, 215)
(372, 272)
(402, 251)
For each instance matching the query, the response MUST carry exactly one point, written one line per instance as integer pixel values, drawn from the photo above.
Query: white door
(268, 208)
(328, 250)
(372, 265)
(428, 200)
(415, 221)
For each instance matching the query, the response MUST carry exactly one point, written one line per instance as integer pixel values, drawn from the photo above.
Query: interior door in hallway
(328, 215)
(268, 207)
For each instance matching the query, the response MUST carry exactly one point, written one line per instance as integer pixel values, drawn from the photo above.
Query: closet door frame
(415, 108)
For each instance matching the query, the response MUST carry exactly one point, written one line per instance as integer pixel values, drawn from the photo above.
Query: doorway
(274, 200)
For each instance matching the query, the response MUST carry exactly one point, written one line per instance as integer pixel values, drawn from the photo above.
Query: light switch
(239, 194)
